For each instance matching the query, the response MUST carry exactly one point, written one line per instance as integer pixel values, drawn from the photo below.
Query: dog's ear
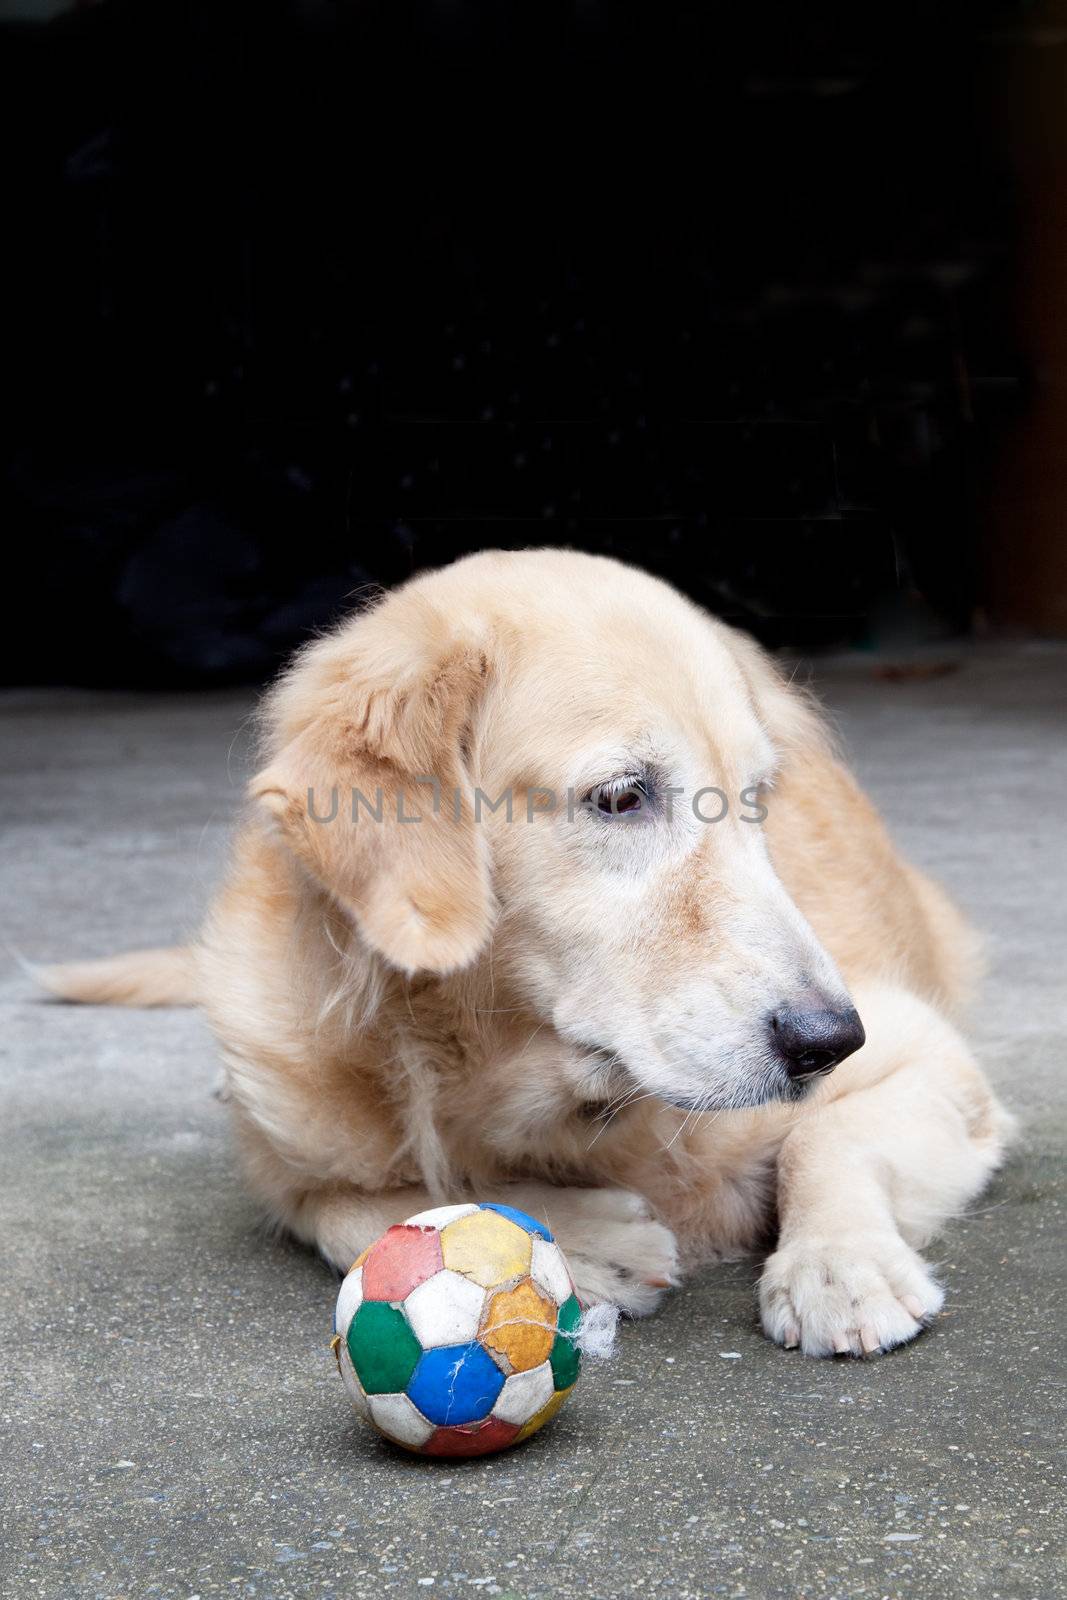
(370, 730)
(790, 714)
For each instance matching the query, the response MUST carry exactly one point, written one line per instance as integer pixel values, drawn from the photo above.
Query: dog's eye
(622, 797)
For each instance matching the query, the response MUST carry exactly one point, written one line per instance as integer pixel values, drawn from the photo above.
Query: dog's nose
(815, 1041)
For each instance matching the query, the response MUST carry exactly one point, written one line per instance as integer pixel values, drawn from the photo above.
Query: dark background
(307, 296)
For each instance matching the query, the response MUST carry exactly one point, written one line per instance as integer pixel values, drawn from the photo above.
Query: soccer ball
(454, 1333)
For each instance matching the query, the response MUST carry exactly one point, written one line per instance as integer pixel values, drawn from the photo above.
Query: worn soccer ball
(455, 1332)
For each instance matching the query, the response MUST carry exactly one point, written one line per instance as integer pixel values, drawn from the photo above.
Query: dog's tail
(138, 978)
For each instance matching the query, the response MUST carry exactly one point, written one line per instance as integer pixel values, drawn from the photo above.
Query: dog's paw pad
(848, 1296)
(629, 1264)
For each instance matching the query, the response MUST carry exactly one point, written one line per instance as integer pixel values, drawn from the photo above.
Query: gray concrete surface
(173, 1426)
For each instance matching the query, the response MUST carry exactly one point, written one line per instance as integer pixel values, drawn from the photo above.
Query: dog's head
(589, 758)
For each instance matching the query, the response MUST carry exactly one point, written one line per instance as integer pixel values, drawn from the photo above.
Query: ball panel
(456, 1383)
(383, 1348)
(549, 1271)
(524, 1394)
(486, 1247)
(546, 1413)
(477, 1441)
(520, 1325)
(566, 1358)
(446, 1309)
(403, 1258)
(513, 1214)
(349, 1300)
(395, 1415)
(349, 1379)
(440, 1216)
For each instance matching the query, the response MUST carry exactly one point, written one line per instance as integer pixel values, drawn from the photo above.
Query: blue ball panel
(455, 1383)
(513, 1214)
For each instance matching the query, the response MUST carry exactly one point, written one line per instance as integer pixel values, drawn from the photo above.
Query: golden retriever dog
(552, 891)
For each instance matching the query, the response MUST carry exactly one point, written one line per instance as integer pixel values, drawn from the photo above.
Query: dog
(553, 891)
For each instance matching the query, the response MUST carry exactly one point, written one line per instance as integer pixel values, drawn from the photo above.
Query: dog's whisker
(530, 1040)
(632, 1101)
(677, 1133)
(602, 1068)
(612, 1106)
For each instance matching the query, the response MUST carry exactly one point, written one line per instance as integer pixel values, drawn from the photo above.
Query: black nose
(815, 1041)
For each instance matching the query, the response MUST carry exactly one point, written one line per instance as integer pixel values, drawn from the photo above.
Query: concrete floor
(173, 1423)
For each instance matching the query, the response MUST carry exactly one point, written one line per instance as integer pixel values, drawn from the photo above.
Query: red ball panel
(477, 1440)
(403, 1258)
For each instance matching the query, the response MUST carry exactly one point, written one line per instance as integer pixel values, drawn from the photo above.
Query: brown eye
(627, 800)
(618, 799)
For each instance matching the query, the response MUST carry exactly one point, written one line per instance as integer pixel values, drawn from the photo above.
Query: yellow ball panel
(486, 1248)
(520, 1325)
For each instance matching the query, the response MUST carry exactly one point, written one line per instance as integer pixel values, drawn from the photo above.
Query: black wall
(308, 296)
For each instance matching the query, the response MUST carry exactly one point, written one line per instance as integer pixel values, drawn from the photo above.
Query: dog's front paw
(622, 1255)
(857, 1294)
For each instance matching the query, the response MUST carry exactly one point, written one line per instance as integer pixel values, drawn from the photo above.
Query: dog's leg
(340, 1222)
(897, 1141)
(616, 1251)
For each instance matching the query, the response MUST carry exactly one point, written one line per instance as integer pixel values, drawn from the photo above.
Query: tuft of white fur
(596, 1332)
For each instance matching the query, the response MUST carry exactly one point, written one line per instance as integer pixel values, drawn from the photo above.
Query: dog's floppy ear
(790, 714)
(369, 730)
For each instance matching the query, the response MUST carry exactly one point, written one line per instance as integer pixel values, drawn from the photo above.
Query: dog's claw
(848, 1296)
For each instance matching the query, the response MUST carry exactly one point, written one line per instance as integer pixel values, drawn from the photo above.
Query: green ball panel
(383, 1348)
(566, 1358)
(570, 1315)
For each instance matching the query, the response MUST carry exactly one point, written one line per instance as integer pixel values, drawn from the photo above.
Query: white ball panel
(349, 1300)
(396, 1416)
(350, 1381)
(549, 1270)
(524, 1393)
(439, 1216)
(446, 1309)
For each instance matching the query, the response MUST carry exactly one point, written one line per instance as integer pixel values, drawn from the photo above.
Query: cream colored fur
(411, 1012)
